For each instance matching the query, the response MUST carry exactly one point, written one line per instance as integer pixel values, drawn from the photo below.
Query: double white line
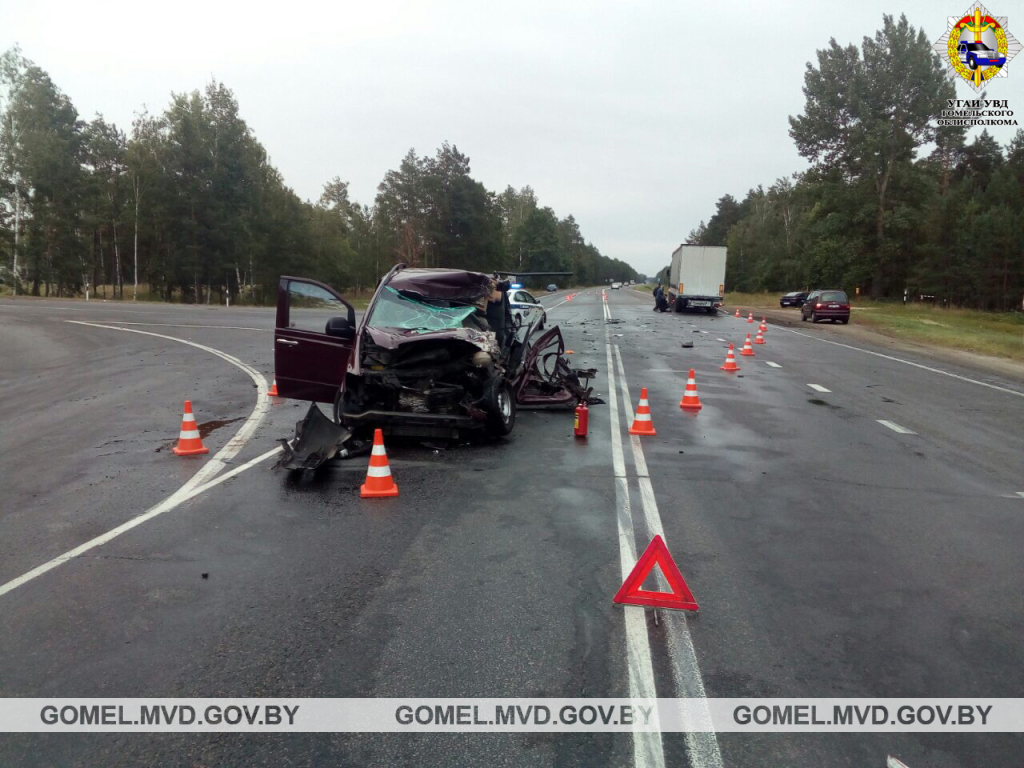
(648, 750)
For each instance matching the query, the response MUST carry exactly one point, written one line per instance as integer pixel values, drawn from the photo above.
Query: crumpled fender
(545, 379)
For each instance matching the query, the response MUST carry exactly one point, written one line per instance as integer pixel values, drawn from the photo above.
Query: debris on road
(317, 440)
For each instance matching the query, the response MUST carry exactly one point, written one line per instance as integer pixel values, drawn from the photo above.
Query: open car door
(313, 338)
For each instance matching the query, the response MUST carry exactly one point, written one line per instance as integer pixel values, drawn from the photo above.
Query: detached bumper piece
(317, 440)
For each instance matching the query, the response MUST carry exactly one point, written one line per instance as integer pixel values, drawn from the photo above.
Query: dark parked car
(826, 305)
(794, 299)
(552, 287)
(438, 353)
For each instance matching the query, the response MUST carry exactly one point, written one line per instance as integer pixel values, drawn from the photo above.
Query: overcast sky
(633, 116)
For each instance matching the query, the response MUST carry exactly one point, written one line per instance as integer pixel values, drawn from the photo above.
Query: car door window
(528, 298)
(310, 307)
(522, 297)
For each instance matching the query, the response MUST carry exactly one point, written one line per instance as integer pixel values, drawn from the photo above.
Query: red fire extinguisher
(582, 419)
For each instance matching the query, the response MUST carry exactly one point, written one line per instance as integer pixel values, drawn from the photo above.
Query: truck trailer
(696, 278)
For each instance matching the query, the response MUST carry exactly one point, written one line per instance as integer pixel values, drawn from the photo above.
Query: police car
(525, 307)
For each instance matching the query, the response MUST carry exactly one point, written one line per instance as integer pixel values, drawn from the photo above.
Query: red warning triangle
(631, 592)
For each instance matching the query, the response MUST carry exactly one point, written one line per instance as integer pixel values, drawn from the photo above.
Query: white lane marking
(703, 331)
(647, 747)
(723, 341)
(236, 443)
(908, 362)
(179, 497)
(896, 427)
(98, 305)
(818, 388)
(195, 484)
(773, 365)
(173, 325)
(701, 741)
(1021, 494)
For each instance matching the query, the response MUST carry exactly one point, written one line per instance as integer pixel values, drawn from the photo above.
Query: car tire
(500, 403)
(814, 317)
(844, 322)
(972, 63)
(803, 317)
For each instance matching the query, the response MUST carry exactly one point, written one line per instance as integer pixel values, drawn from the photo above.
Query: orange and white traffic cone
(737, 312)
(189, 442)
(764, 324)
(642, 424)
(730, 361)
(760, 337)
(747, 351)
(378, 475)
(690, 401)
(272, 392)
(750, 317)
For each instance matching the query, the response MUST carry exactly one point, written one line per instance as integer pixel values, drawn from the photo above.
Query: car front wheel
(501, 407)
(814, 317)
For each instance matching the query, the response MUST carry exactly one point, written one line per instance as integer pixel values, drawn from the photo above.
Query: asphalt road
(831, 553)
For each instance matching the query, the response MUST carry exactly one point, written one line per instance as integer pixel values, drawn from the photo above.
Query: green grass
(999, 334)
(643, 287)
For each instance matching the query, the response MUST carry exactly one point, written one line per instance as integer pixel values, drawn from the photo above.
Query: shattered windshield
(396, 310)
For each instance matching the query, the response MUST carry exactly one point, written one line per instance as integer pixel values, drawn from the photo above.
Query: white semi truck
(696, 278)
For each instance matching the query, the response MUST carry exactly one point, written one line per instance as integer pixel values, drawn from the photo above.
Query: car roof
(442, 283)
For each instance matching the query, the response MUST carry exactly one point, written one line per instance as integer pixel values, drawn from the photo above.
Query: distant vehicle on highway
(526, 308)
(552, 287)
(976, 55)
(794, 299)
(616, 286)
(826, 305)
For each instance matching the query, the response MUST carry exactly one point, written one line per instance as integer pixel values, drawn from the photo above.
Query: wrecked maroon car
(437, 354)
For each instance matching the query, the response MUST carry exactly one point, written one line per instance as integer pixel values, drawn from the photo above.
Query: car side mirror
(340, 327)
